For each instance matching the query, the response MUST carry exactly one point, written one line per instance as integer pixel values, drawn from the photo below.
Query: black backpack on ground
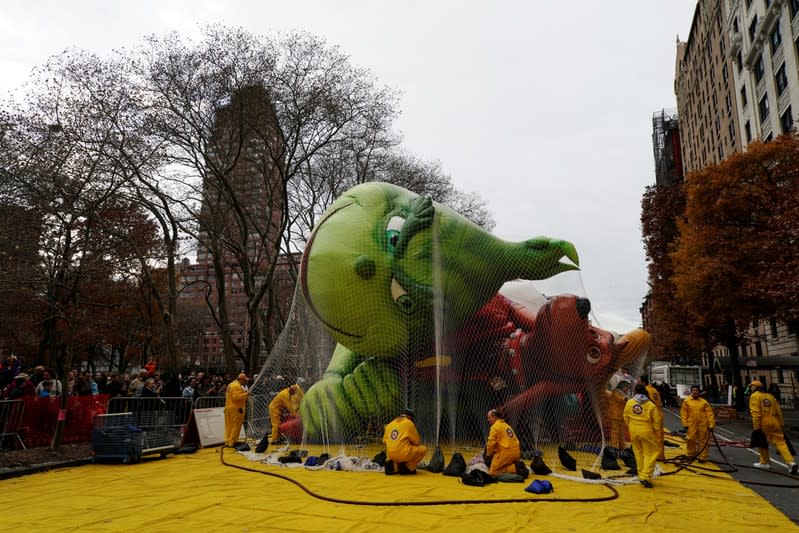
(477, 478)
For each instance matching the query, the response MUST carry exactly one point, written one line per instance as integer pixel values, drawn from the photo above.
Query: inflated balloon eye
(393, 232)
(405, 303)
(594, 355)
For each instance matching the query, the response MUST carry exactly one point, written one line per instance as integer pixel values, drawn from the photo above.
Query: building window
(781, 79)
(773, 328)
(786, 120)
(763, 107)
(794, 7)
(739, 61)
(775, 38)
(744, 101)
(760, 69)
(753, 29)
(748, 132)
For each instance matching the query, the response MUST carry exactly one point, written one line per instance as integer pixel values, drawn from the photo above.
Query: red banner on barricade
(41, 414)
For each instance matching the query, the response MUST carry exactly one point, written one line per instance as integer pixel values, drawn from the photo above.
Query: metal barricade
(11, 413)
(207, 402)
(160, 420)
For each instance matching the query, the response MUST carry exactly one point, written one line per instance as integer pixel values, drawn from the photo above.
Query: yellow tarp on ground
(198, 493)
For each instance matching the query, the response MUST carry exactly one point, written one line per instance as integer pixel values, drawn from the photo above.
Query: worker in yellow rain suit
(654, 396)
(235, 404)
(502, 446)
(286, 401)
(767, 416)
(697, 417)
(403, 445)
(643, 418)
(617, 400)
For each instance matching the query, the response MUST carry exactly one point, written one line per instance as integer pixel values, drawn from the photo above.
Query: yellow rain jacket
(767, 415)
(503, 447)
(284, 401)
(235, 404)
(643, 419)
(403, 444)
(654, 395)
(616, 404)
(697, 416)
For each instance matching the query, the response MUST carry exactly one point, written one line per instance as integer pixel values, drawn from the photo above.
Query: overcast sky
(542, 108)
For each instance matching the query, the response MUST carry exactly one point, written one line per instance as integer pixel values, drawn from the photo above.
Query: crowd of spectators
(18, 381)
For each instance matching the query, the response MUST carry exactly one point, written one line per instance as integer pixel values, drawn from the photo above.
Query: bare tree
(52, 166)
(251, 116)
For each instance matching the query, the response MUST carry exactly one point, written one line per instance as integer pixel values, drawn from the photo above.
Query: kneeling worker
(287, 402)
(403, 445)
(502, 448)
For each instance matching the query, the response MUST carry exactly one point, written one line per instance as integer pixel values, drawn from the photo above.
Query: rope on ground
(613, 496)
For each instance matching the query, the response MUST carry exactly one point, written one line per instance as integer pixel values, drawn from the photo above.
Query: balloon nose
(365, 267)
(583, 307)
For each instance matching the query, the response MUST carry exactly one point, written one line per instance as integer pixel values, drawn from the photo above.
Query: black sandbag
(568, 462)
(587, 474)
(436, 464)
(609, 461)
(538, 466)
(456, 466)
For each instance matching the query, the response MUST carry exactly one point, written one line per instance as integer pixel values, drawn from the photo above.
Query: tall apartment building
(242, 207)
(764, 35)
(736, 81)
(706, 90)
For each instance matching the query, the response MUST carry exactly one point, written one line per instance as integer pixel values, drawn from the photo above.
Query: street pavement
(775, 485)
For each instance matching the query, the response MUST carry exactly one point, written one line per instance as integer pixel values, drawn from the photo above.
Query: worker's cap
(22, 375)
(755, 384)
(408, 413)
(242, 377)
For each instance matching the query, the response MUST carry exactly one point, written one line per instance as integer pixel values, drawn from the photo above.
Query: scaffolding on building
(666, 145)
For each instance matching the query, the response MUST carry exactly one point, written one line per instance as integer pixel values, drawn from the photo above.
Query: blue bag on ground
(539, 486)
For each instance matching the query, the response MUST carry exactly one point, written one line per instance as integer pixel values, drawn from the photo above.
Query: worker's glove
(345, 403)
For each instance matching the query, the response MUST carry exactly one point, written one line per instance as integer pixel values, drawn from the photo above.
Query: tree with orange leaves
(738, 228)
